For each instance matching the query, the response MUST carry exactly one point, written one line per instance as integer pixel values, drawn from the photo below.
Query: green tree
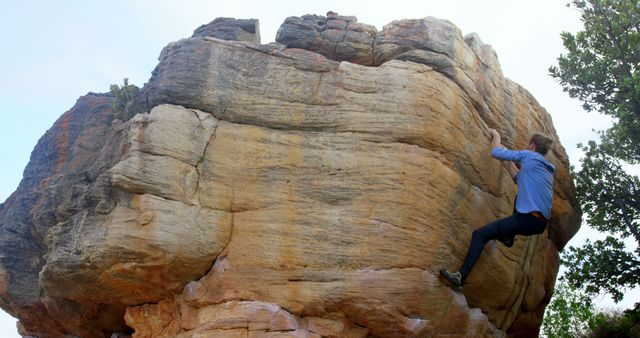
(601, 69)
(122, 95)
(570, 313)
(611, 199)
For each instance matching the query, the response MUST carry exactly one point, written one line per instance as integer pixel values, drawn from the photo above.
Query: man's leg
(495, 230)
(506, 228)
(528, 225)
(508, 240)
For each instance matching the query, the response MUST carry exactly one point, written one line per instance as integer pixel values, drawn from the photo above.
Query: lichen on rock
(310, 187)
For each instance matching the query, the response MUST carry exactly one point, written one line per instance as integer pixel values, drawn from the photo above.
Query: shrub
(618, 324)
(122, 96)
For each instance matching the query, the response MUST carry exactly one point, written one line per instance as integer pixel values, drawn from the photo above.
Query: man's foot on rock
(507, 241)
(454, 279)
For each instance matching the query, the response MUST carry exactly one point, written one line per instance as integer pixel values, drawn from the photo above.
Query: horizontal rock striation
(310, 187)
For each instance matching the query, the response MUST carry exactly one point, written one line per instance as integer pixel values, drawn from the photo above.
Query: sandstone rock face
(307, 188)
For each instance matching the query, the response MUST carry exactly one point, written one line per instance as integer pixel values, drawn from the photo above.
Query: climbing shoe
(453, 278)
(507, 241)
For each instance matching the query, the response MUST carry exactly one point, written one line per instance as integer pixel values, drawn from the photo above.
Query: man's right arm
(496, 140)
(500, 152)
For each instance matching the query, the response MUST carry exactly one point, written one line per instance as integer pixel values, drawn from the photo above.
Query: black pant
(509, 227)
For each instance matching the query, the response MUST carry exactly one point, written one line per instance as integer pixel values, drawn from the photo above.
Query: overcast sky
(55, 51)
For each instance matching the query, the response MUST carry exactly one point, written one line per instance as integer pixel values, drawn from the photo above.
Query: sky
(55, 51)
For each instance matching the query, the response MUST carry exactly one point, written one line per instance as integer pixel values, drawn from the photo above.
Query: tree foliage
(610, 196)
(611, 199)
(602, 69)
(570, 313)
(603, 265)
(122, 95)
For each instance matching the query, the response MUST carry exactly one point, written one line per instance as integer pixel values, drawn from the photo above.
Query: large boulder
(286, 190)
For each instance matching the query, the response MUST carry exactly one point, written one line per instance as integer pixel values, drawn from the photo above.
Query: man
(532, 207)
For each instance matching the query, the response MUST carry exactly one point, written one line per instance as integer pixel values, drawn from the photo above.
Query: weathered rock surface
(307, 188)
(336, 37)
(230, 29)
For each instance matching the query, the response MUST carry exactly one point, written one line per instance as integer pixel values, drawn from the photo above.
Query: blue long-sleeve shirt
(535, 180)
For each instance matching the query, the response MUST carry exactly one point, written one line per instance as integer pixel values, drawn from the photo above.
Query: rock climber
(532, 206)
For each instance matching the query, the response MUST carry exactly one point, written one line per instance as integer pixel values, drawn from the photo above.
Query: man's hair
(542, 142)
